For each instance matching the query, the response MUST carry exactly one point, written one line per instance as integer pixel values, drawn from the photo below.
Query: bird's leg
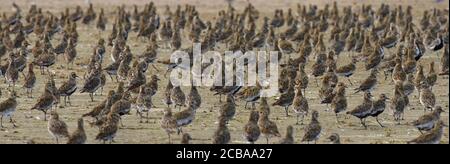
(303, 118)
(155, 67)
(245, 107)
(12, 121)
(140, 116)
(337, 118)
(1, 121)
(297, 119)
(92, 97)
(317, 83)
(348, 78)
(146, 115)
(267, 140)
(65, 101)
(45, 115)
(286, 109)
(170, 142)
(418, 92)
(57, 142)
(363, 124)
(379, 122)
(165, 74)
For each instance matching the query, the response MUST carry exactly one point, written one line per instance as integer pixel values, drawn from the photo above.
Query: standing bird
(251, 129)
(168, 123)
(194, 99)
(427, 97)
(432, 76)
(432, 137)
(12, 74)
(30, 81)
(68, 87)
(144, 103)
(427, 121)
(286, 99)
(70, 53)
(167, 94)
(289, 137)
(228, 109)
(339, 101)
(45, 102)
(364, 110)
(112, 70)
(7, 108)
(184, 118)
(285, 46)
(251, 95)
(138, 79)
(419, 78)
(178, 97)
(408, 85)
(399, 102)
(300, 104)
(312, 132)
(369, 83)
(79, 135)
(123, 106)
(109, 129)
(222, 134)
(398, 74)
(378, 107)
(92, 84)
(268, 128)
(347, 70)
(56, 127)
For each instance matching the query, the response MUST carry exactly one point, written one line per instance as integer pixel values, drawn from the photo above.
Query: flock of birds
(386, 39)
